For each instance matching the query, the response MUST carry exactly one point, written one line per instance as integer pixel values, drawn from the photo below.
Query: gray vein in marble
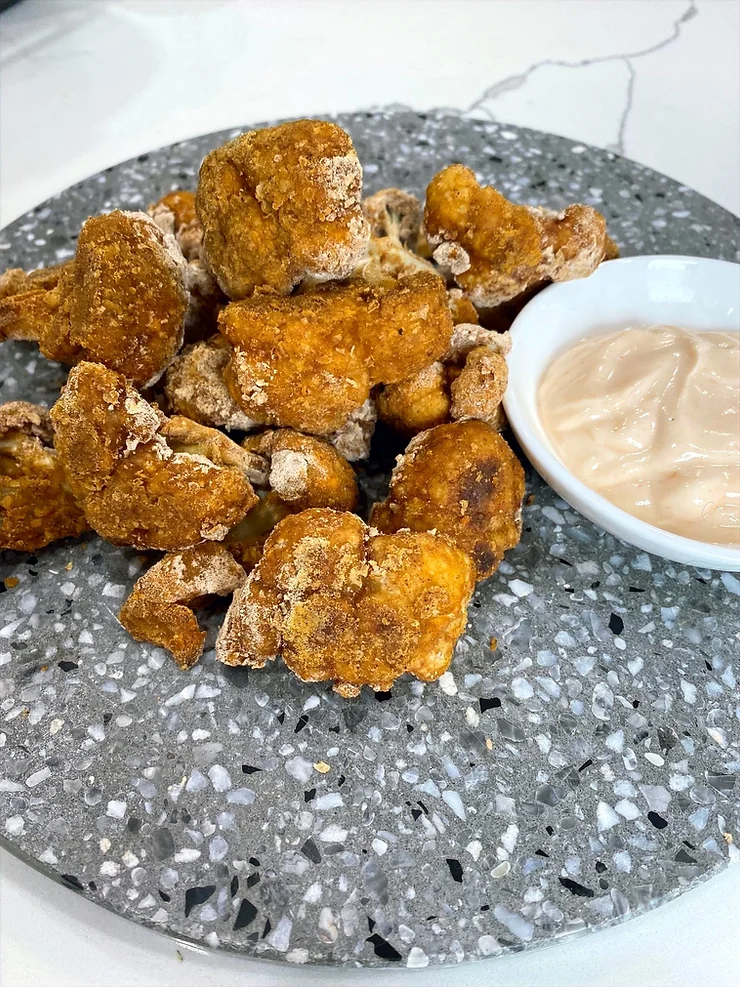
(514, 82)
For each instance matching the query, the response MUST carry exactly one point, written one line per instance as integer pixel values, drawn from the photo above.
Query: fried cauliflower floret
(29, 303)
(159, 610)
(308, 361)
(469, 336)
(120, 302)
(434, 395)
(195, 386)
(353, 439)
(496, 249)
(246, 540)
(463, 481)
(417, 403)
(478, 390)
(461, 307)
(393, 213)
(388, 260)
(143, 479)
(36, 505)
(305, 471)
(410, 330)
(298, 361)
(339, 601)
(301, 471)
(175, 214)
(282, 204)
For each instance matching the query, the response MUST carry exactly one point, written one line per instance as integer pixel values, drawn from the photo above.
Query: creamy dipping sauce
(650, 419)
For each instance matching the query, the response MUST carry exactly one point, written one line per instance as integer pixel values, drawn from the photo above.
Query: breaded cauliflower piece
(469, 336)
(36, 505)
(121, 302)
(305, 471)
(339, 601)
(353, 439)
(462, 481)
(298, 362)
(308, 361)
(479, 388)
(417, 403)
(246, 540)
(282, 204)
(143, 479)
(461, 307)
(195, 386)
(29, 303)
(387, 260)
(175, 214)
(301, 471)
(410, 330)
(393, 213)
(496, 249)
(426, 399)
(160, 608)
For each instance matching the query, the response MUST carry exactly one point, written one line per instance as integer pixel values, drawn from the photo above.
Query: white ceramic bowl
(690, 292)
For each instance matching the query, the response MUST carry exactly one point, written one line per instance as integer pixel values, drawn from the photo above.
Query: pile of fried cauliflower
(278, 304)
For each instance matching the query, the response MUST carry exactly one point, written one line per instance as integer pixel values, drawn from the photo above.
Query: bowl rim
(574, 491)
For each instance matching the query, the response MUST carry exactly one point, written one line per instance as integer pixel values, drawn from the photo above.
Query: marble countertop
(641, 79)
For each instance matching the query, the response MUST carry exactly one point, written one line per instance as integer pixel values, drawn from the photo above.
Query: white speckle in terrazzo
(220, 778)
(447, 684)
(116, 809)
(187, 855)
(241, 796)
(333, 834)
(299, 768)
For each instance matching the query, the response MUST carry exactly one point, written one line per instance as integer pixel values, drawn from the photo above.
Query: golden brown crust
(281, 204)
(175, 213)
(496, 249)
(464, 482)
(29, 302)
(478, 390)
(124, 299)
(300, 471)
(411, 330)
(298, 361)
(121, 301)
(308, 361)
(36, 505)
(159, 610)
(461, 307)
(143, 479)
(195, 386)
(393, 213)
(416, 403)
(426, 399)
(341, 602)
(469, 336)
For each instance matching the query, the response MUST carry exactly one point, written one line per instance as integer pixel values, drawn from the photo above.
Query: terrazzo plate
(577, 764)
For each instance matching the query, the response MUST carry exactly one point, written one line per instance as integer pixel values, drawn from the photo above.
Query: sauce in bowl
(650, 419)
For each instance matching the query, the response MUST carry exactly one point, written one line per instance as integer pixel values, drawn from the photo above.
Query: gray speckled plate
(578, 764)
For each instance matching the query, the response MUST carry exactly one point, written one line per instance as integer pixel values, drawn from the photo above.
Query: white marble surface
(87, 83)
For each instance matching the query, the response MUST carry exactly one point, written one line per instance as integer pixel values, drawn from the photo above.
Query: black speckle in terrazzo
(454, 819)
